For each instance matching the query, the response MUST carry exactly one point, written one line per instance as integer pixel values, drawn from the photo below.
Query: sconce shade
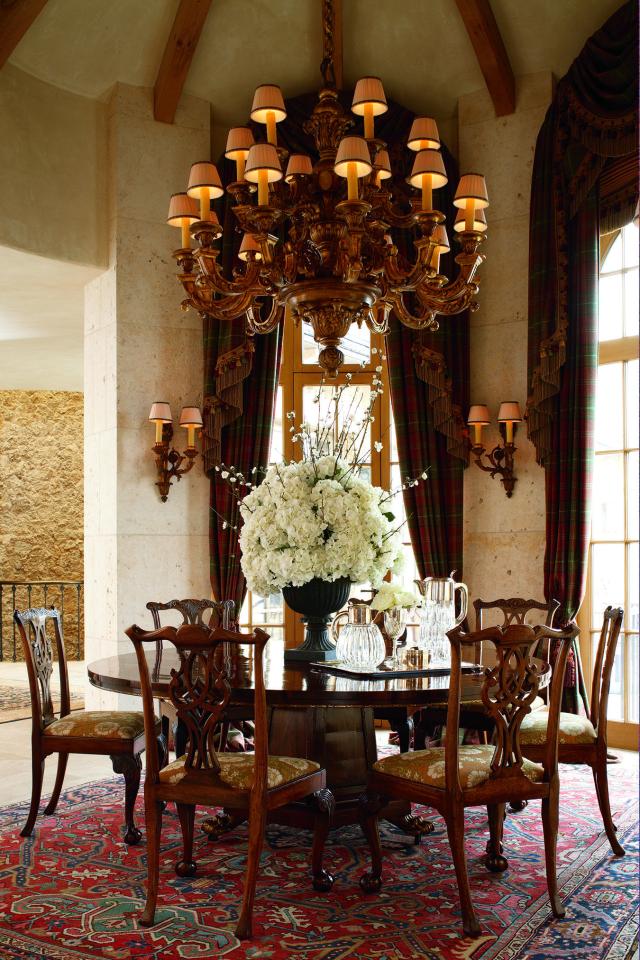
(472, 186)
(353, 150)
(190, 417)
(440, 236)
(249, 245)
(204, 174)
(239, 142)
(369, 90)
(383, 165)
(509, 411)
(160, 412)
(263, 157)
(182, 207)
(424, 134)
(479, 221)
(268, 99)
(428, 162)
(299, 166)
(479, 413)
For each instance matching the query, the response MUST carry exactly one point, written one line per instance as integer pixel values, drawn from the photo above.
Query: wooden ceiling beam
(16, 16)
(491, 53)
(177, 57)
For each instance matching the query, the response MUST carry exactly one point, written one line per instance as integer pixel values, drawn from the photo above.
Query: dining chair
(581, 739)
(192, 611)
(118, 734)
(453, 777)
(250, 784)
(472, 713)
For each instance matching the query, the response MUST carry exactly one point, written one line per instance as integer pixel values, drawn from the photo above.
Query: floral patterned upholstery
(573, 729)
(123, 724)
(236, 770)
(427, 766)
(538, 704)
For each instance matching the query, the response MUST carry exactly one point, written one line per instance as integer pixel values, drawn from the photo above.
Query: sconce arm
(500, 463)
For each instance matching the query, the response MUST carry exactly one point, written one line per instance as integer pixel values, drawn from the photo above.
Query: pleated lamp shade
(299, 166)
(160, 412)
(509, 410)
(424, 134)
(204, 174)
(239, 142)
(249, 245)
(472, 186)
(353, 150)
(182, 207)
(428, 162)
(479, 413)
(369, 90)
(268, 99)
(190, 417)
(479, 221)
(383, 165)
(263, 156)
(440, 237)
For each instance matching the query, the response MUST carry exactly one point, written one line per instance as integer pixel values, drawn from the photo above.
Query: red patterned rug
(73, 891)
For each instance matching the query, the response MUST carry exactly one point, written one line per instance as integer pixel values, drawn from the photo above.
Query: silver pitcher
(438, 614)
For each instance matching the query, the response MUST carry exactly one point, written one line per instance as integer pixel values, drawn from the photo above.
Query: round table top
(290, 684)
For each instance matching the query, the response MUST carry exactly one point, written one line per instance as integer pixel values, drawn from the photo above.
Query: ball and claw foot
(184, 869)
(517, 805)
(369, 883)
(132, 836)
(323, 881)
(216, 827)
(496, 863)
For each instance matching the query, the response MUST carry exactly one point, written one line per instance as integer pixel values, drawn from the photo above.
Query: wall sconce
(500, 459)
(168, 460)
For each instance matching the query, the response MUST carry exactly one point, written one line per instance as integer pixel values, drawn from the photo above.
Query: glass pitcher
(438, 614)
(359, 644)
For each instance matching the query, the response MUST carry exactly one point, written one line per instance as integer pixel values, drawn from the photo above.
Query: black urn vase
(316, 601)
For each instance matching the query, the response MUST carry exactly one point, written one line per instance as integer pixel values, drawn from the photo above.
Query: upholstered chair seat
(427, 766)
(237, 770)
(124, 724)
(573, 729)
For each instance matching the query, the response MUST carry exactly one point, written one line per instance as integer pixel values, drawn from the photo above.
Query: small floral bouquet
(392, 595)
(319, 517)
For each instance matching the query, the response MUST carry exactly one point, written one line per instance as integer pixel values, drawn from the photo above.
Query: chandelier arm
(384, 207)
(377, 318)
(210, 267)
(449, 307)
(425, 321)
(253, 315)
(418, 274)
(229, 308)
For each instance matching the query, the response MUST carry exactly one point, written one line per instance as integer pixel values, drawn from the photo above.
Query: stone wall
(41, 499)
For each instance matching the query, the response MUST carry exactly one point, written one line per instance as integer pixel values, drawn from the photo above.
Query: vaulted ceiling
(420, 48)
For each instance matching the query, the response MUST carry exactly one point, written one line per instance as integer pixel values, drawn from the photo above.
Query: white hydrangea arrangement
(392, 595)
(318, 517)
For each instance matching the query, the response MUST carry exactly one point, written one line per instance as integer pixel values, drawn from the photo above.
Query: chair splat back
(605, 656)
(508, 690)
(33, 626)
(200, 689)
(193, 611)
(514, 610)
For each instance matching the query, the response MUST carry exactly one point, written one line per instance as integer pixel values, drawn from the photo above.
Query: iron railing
(66, 595)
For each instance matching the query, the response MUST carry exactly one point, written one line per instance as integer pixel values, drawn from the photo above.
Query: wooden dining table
(314, 714)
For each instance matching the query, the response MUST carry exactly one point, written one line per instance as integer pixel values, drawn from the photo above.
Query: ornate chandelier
(317, 240)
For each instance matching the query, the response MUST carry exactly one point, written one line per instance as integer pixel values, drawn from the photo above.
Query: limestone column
(504, 539)
(140, 347)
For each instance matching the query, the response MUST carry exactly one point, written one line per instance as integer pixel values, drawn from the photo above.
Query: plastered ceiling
(419, 47)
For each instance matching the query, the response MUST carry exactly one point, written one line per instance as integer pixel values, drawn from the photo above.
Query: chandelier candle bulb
(272, 136)
(352, 181)
(440, 237)
(204, 185)
(382, 167)
(352, 162)
(268, 108)
(479, 223)
(263, 167)
(369, 101)
(183, 211)
(239, 142)
(428, 174)
(263, 188)
(471, 195)
(424, 135)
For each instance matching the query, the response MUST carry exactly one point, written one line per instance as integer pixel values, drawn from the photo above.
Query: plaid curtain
(590, 125)
(429, 380)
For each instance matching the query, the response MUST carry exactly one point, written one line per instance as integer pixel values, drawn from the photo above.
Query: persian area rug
(15, 701)
(74, 891)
